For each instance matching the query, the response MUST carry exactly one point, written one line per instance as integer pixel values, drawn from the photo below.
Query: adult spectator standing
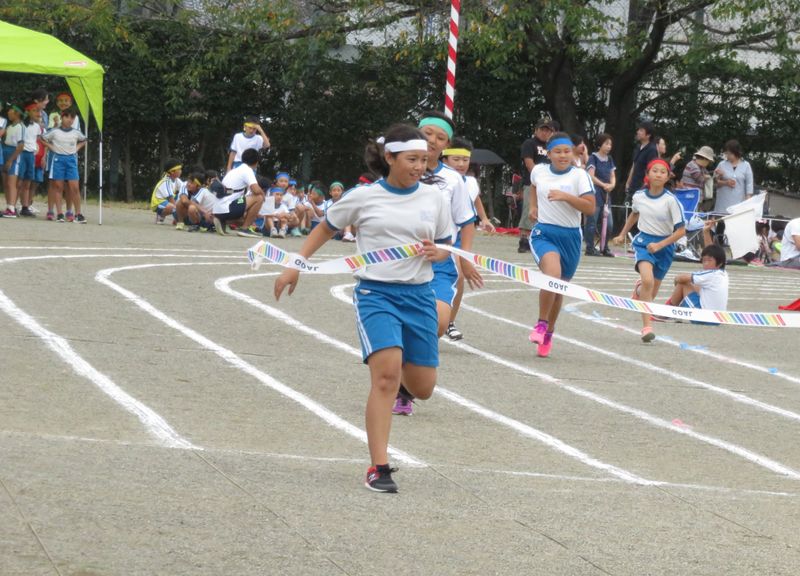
(733, 178)
(533, 151)
(644, 154)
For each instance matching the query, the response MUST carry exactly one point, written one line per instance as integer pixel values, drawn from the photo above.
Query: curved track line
(223, 285)
(332, 419)
(736, 396)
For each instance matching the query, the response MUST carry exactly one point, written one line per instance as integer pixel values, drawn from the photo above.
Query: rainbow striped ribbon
(543, 282)
(263, 251)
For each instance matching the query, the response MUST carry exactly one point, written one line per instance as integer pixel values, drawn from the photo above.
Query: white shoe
(281, 233)
(348, 237)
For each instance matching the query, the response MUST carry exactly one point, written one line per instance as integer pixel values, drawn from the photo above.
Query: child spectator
(201, 211)
(185, 210)
(3, 125)
(661, 223)
(63, 102)
(213, 183)
(64, 143)
(162, 200)
(790, 246)
(282, 180)
(13, 146)
(707, 289)
(316, 200)
(242, 204)
(26, 167)
(246, 140)
(335, 190)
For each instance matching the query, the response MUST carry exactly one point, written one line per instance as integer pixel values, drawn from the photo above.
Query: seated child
(185, 211)
(336, 189)
(162, 201)
(316, 203)
(708, 288)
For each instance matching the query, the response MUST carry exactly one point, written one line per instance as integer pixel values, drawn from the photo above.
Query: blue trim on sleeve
(471, 220)
(447, 240)
(681, 224)
(331, 226)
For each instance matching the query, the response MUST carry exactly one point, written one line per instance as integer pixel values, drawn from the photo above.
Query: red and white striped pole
(452, 53)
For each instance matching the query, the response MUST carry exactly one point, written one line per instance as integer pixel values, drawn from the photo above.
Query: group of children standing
(36, 146)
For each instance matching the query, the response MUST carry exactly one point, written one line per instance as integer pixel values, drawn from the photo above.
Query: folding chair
(689, 199)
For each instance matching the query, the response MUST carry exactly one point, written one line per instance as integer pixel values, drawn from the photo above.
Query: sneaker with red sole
(379, 479)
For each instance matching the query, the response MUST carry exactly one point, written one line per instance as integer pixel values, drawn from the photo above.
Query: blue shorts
(7, 152)
(566, 242)
(63, 167)
(445, 278)
(397, 316)
(661, 260)
(160, 207)
(692, 300)
(24, 167)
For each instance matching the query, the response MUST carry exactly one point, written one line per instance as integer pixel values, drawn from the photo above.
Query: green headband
(334, 184)
(439, 123)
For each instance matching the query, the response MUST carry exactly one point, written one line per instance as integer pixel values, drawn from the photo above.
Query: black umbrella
(483, 157)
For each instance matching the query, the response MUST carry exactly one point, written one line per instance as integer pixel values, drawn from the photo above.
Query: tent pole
(100, 181)
(86, 158)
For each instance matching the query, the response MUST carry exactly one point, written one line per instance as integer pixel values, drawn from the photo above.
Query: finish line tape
(264, 251)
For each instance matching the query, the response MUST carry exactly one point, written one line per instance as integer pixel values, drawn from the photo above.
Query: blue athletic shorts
(24, 168)
(397, 315)
(661, 260)
(692, 300)
(566, 242)
(7, 152)
(160, 207)
(445, 277)
(63, 167)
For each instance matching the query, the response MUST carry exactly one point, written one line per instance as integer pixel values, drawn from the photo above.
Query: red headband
(67, 94)
(653, 163)
(31, 106)
(658, 161)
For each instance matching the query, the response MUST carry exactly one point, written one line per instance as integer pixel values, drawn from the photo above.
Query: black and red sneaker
(379, 479)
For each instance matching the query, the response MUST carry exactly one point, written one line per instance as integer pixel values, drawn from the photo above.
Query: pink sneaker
(9, 213)
(402, 406)
(537, 334)
(543, 350)
(647, 334)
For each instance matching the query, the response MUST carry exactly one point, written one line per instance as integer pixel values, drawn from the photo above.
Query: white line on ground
(573, 309)
(155, 424)
(551, 441)
(332, 419)
(738, 397)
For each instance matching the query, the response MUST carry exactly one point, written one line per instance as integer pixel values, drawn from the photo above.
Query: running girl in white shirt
(560, 193)
(395, 306)
(661, 223)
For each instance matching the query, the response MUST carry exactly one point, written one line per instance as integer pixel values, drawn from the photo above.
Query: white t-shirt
(473, 189)
(54, 121)
(386, 216)
(31, 136)
(713, 288)
(290, 201)
(167, 188)
(14, 135)
(205, 198)
(64, 141)
(574, 181)
(240, 143)
(320, 206)
(3, 122)
(788, 247)
(240, 178)
(658, 215)
(223, 205)
(457, 201)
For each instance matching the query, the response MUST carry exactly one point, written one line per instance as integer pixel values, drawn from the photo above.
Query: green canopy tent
(30, 52)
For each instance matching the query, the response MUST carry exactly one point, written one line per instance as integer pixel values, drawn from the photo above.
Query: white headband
(395, 147)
